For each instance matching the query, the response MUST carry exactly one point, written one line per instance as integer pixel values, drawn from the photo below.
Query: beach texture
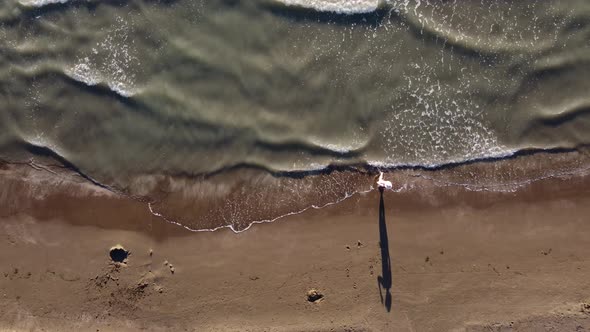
(454, 259)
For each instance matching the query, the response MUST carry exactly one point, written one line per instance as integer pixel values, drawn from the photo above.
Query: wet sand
(459, 259)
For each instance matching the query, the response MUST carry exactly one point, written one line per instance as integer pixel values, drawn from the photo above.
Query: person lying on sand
(383, 184)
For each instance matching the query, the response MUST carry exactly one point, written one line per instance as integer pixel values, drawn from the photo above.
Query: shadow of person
(384, 280)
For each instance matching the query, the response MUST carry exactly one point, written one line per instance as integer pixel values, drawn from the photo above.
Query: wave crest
(40, 3)
(337, 6)
(84, 74)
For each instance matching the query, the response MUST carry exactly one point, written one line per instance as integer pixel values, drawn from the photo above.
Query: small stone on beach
(313, 295)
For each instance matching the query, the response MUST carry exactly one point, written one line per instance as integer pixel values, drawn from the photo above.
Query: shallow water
(122, 90)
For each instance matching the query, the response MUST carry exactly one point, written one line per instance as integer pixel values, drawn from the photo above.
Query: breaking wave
(337, 6)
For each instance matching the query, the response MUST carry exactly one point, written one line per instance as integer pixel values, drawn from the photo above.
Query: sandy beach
(461, 260)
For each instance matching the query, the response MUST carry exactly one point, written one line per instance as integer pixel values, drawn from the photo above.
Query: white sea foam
(356, 6)
(496, 154)
(40, 3)
(337, 6)
(340, 148)
(111, 61)
(84, 74)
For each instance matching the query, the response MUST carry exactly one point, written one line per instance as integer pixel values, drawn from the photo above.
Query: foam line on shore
(233, 229)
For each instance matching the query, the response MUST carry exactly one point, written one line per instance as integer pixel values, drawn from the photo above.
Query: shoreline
(242, 198)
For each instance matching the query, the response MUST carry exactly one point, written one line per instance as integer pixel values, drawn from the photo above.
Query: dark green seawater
(127, 88)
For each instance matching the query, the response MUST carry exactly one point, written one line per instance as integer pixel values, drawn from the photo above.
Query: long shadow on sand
(384, 280)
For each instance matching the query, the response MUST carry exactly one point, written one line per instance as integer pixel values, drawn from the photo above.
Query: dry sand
(459, 260)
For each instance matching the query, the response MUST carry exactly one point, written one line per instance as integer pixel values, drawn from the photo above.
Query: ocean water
(124, 91)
